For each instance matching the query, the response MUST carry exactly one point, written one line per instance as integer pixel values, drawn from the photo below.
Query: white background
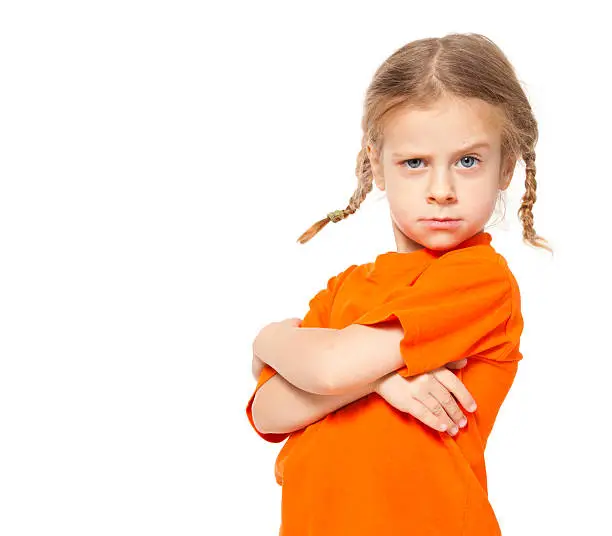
(158, 161)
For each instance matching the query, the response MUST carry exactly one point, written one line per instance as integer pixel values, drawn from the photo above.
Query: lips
(441, 223)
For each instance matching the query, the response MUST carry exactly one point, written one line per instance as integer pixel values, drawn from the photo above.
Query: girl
(362, 386)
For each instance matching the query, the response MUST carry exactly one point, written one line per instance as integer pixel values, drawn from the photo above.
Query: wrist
(377, 384)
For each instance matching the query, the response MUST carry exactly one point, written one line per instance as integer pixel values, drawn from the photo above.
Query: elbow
(259, 415)
(262, 416)
(328, 384)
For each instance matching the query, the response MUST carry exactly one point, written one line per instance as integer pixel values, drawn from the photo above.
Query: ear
(507, 173)
(376, 167)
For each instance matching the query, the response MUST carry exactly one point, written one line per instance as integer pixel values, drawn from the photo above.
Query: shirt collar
(392, 261)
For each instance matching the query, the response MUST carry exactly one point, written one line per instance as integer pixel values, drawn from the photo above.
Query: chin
(442, 240)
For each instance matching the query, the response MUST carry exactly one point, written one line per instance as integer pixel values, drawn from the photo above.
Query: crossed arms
(320, 370)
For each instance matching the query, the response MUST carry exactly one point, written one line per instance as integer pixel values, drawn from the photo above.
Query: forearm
(361, 354)
(298, 354)
(281, 407)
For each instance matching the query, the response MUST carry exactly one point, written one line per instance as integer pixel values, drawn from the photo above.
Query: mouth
(441, 219)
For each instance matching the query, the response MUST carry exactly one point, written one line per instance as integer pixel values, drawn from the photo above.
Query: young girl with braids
(376, 387)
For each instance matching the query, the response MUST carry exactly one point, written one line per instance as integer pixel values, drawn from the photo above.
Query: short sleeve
(318, 315)
(320, 306)
(459, 307)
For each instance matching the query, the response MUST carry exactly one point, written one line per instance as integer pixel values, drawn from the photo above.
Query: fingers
(445, 407)
(455, 386)
(441, 411)
(399, 392)
(424, 413)
(435, 393)
(428, 397)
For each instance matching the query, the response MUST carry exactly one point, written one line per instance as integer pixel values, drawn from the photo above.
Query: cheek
(401, 190)
(478, 193)
(478, 207)
(404, 201)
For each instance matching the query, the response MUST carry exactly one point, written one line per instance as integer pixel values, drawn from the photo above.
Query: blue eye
(473, 158)
(420, 159)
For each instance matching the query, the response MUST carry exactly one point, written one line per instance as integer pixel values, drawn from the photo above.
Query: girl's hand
(293, 322)
(427, 396)
(270, 329)
(258, 364)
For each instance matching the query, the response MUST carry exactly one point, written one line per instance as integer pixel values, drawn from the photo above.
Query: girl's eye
(420, 159)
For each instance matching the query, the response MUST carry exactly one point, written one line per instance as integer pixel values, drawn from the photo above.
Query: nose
(441, 187)
(441, 191)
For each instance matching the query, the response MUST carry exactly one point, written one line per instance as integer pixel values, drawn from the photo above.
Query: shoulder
(345, 274)
(320, 305)
(326, 294)
(477, 271)
(337, 280)
(485, 273)
(475, 261)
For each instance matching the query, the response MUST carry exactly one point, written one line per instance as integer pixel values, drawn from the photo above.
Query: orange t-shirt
(370, 469)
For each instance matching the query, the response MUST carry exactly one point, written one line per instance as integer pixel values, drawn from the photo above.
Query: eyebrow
(477, 145)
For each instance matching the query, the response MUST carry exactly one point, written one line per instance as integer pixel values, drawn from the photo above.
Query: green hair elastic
(336, 215)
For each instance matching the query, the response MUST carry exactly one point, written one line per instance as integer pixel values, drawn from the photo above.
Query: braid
(364, 186)
(525, 211)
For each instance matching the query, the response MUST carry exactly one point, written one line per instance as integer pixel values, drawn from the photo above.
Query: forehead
(450, 122)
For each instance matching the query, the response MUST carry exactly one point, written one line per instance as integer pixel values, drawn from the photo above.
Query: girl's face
(430, 169)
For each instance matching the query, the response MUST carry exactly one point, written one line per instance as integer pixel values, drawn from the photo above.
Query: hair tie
(336, 215)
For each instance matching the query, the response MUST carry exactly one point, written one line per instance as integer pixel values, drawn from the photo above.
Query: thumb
(457, 364)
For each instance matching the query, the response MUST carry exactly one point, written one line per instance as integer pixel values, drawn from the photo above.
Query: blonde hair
(462, 65)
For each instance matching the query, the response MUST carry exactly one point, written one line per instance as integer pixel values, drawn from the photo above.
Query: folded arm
(299, 354)
(280, 407)
(361, 354)
(293, 389)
